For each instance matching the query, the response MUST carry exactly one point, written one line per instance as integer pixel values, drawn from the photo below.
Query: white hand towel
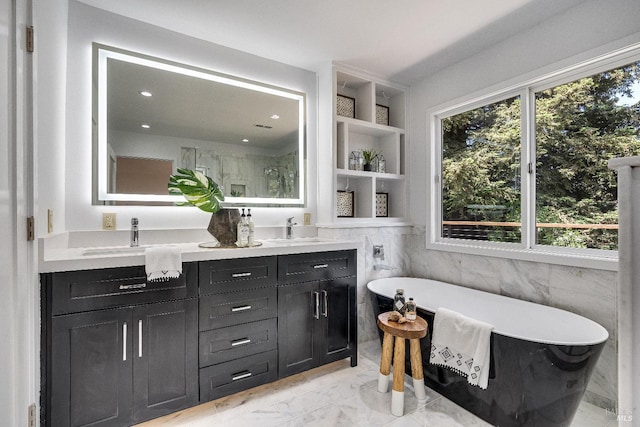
(462, 344)
(163, 263)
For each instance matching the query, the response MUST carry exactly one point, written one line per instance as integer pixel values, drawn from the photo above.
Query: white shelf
(362, 132)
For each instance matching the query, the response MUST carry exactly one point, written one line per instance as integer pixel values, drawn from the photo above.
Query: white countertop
(62, 253)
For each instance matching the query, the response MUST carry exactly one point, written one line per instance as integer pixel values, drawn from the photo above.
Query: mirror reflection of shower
(245, 174)
(281, 181)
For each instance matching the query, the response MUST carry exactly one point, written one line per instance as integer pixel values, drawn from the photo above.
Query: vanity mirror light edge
(102, 156)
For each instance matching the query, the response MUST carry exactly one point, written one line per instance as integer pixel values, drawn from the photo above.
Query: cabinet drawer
(237, 274)
(230, 377)
(78, 291)
(234, 342)
(217, 311)
(316, 266)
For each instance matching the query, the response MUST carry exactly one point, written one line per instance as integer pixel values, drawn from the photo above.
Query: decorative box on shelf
(346, 106)
(344, 204)
(382, 204)
(382, 115)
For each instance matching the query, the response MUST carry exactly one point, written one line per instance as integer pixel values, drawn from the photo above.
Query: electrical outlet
(32, 415)
(307, 219)
(108, 221)
(50, 220)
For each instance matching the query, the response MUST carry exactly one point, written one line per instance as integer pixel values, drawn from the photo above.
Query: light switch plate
(307, 219)
(109, 221)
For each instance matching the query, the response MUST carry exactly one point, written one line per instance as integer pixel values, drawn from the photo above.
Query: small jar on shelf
(381, 165)
(353, 161)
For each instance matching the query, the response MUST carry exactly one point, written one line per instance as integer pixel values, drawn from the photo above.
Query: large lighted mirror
(153, 116)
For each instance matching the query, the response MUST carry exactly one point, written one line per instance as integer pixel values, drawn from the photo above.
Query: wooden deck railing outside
(540, 225)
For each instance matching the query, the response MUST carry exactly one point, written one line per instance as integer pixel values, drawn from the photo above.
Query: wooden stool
(412, 331)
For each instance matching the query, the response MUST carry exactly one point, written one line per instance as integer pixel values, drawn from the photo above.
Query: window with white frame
(528, 168)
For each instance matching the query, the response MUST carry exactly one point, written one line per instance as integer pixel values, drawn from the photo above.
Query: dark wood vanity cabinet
(118, 350)
(128, 356)
(316, 310)
(238, 325)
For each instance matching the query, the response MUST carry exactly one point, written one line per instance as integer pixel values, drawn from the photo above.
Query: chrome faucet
(135, 233)
(290, 225)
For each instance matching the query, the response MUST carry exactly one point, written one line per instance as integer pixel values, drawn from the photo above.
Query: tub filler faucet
(290, 225)
(378, 254)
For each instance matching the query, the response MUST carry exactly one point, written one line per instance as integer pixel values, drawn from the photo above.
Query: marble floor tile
(338, 395)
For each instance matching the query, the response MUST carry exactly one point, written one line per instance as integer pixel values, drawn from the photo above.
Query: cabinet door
(91, 369)
(338, 320)
(298, 316)
(165, 358)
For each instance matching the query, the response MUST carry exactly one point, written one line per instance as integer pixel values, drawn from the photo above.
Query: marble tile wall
(394, 240)
(590, 293)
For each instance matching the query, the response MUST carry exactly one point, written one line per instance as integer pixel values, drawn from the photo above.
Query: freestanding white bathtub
(541, 357)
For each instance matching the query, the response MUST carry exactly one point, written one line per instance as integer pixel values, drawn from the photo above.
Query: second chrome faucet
(290, 225)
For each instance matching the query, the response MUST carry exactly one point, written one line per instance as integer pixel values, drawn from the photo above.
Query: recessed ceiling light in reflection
(245, 140)
(145, 126)
(145, 93)
(275, 117)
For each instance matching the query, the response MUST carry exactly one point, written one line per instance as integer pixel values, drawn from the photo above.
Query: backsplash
(394, 240)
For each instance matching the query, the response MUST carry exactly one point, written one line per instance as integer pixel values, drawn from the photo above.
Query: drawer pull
(235, 275)
(139, 338)
(124, 342)
(133, 286)
(240, 342)
(241, 376)
(325, 311)
(321, 266)
(316, 311)
(241, 308)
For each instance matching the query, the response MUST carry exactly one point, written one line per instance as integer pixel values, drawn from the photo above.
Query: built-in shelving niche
(362, 132)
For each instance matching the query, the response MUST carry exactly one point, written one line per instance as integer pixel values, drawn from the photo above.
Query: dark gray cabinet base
(237, 375)
(316, 310)
(117, 350)
(120, 365)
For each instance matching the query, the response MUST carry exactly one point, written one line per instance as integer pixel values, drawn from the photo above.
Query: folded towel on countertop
(461, 344)
(163, 263)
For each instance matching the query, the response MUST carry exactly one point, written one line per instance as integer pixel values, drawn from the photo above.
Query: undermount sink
(114, 250)
(296, 241)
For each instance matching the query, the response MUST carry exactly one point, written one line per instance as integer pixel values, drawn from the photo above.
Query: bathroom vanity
(118, 350)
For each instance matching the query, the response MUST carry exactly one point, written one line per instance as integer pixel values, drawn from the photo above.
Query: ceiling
(402, 40)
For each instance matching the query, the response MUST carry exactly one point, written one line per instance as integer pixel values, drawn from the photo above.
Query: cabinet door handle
(240, 342)
(140, 338)
(241, 308)
(124, 342)
(237, 377)
(321, 266)
(316, 312)
(235, 275)
(133, 286)
(325, 311)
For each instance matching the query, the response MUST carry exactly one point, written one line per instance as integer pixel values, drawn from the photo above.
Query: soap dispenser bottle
(251, 238)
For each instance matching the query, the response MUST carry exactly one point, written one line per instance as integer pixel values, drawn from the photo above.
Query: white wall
(87, 25)
(583, 32)
(50, 78)
(7, 206)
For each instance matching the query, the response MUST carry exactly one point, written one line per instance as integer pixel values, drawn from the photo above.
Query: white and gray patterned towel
(163, 263)
(461, 344)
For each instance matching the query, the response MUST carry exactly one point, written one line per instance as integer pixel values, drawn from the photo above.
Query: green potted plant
(204, 193)
(369, 156)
